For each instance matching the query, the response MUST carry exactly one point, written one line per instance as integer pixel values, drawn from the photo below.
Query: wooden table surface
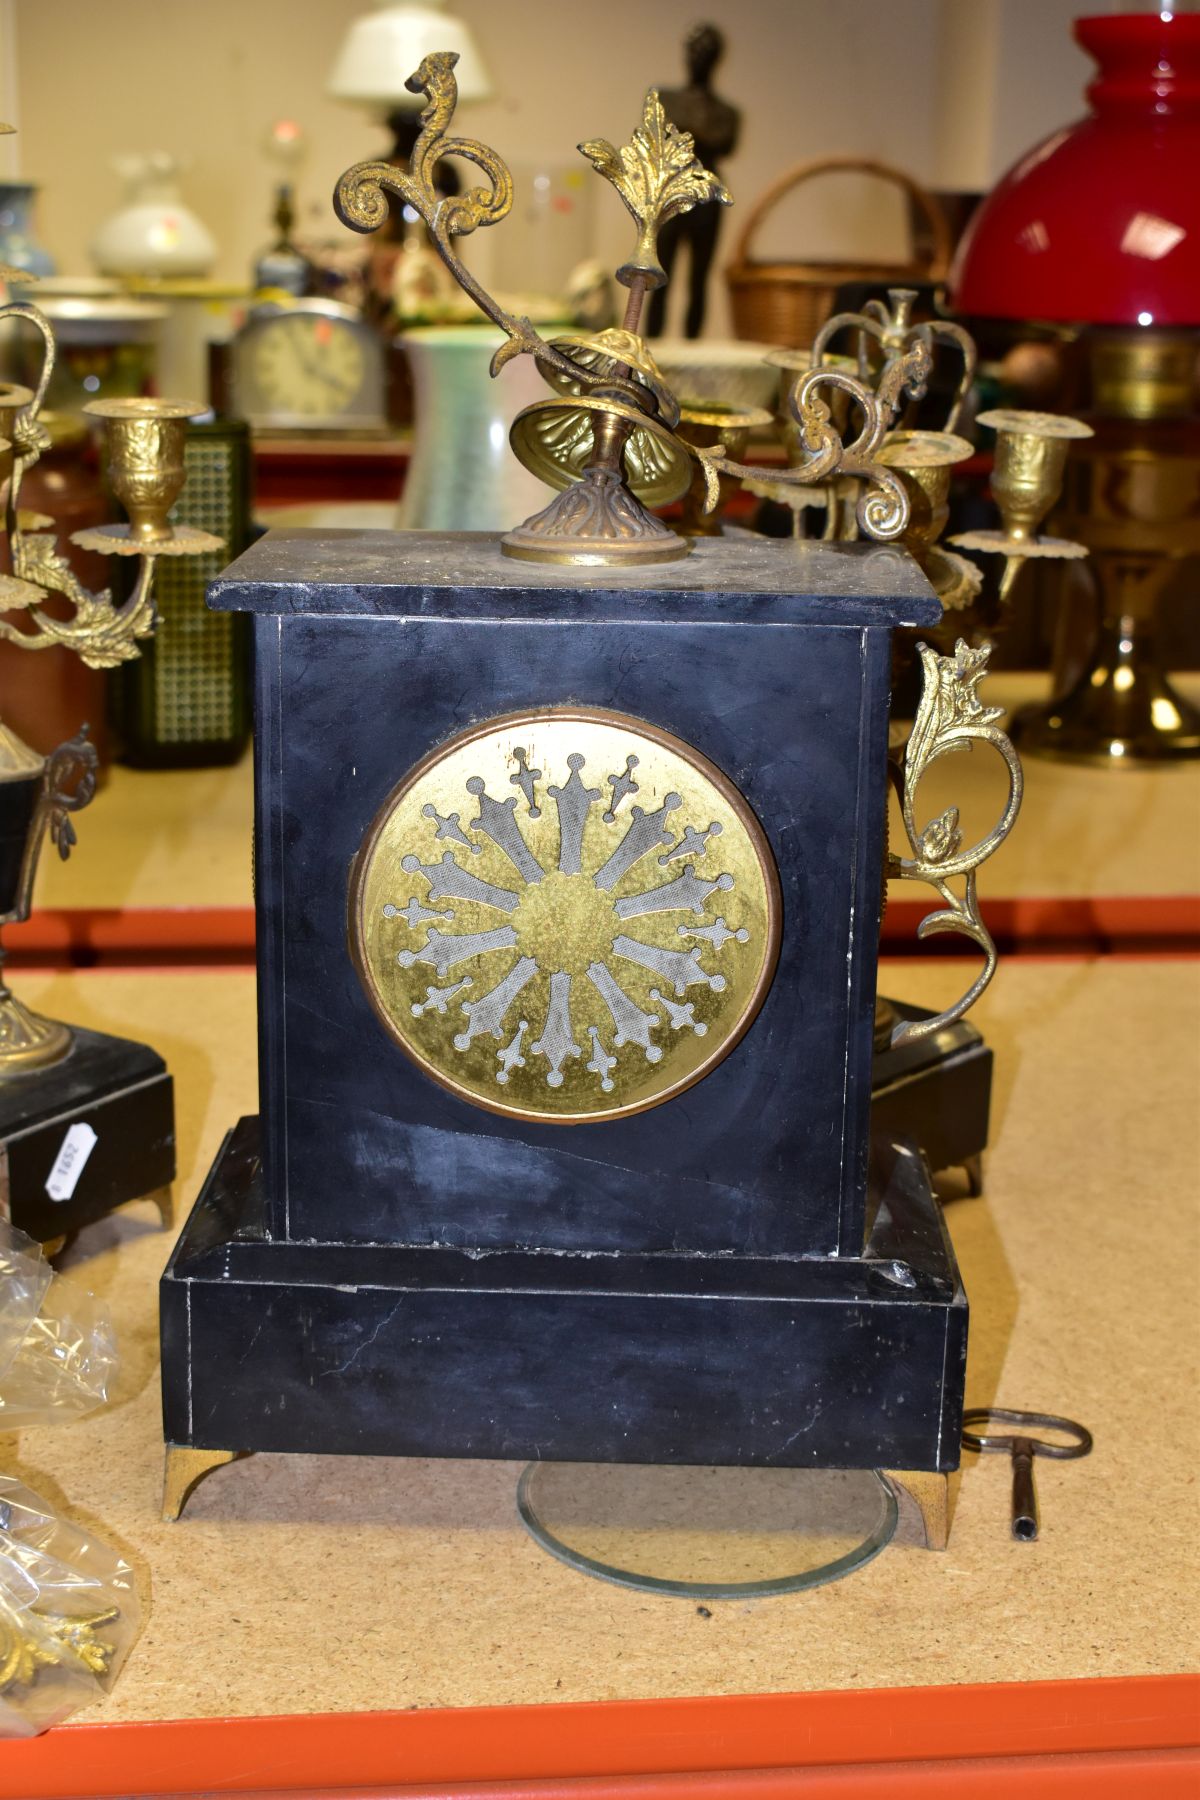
(318, 1585)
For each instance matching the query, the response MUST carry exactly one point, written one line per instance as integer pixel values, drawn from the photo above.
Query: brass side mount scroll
(951, 717)
(609, 437)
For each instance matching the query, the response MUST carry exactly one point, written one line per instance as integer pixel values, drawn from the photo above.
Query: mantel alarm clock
(570, 853)
(312, 366)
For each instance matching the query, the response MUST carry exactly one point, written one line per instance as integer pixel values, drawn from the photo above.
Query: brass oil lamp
(1132, 496)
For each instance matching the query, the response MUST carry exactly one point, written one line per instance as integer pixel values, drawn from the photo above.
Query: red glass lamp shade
(1100, 223)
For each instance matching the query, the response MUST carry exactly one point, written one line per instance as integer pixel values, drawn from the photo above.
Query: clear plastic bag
(58, 1353)
(69, 1613)
(24, 1277)
(68, 1606)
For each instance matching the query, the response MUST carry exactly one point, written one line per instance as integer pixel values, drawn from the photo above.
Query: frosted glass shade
(383, 48)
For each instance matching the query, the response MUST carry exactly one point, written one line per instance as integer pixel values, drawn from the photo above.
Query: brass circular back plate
(565, 915)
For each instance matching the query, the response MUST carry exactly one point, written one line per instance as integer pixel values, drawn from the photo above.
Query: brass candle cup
(145, 440)
(1031, 454)
(923, 461)
(706, 426)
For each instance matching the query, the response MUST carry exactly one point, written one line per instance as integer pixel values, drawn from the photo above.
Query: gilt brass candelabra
(38, 793)
(610, 436)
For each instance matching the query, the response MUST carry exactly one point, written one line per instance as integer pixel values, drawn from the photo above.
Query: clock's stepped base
(937, 1094)
(437, 1351)
(119, 1090)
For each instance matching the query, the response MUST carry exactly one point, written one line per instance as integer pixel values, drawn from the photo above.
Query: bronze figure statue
(714, 126)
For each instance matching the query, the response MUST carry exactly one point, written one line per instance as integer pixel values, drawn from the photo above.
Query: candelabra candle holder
(1027, 478)
(144, 441)
(609, 439)
(923, 460)
(931, 1076)
(86, 1120)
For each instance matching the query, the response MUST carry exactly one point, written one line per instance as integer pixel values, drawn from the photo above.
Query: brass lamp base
(1121, 710)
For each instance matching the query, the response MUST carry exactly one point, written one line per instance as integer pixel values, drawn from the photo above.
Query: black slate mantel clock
(568, 897)
(570, 853)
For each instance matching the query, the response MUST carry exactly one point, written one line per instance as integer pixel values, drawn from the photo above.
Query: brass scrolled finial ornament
(658, 176)
(608, 436)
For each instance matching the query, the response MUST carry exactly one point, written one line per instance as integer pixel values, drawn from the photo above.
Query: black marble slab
(768, 1153)
(464, 575)
(407, 1350)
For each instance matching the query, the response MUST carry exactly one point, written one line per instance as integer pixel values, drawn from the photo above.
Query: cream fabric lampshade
(383, 48)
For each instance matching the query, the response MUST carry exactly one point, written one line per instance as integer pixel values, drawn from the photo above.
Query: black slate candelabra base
(853, 1362)
(936, 1093)
(122, 1091)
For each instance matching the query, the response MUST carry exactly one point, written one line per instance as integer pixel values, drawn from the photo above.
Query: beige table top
(181, 838)
(327, 1584)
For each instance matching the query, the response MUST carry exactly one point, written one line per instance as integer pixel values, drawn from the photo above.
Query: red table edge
(66, 936)
(848, 1730)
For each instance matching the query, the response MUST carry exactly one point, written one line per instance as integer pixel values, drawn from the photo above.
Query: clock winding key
(1023, 1447)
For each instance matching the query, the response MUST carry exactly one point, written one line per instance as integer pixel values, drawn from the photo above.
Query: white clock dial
(311, 366)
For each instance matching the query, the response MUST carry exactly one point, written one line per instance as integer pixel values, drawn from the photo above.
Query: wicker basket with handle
(787, 302)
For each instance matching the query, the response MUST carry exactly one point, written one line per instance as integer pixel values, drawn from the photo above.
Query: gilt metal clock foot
(930, 1496)
(183, 1467)
(164, 1199)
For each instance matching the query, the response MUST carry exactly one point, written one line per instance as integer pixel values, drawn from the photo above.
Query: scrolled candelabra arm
(952, 717)
(883, 506)
(101, 634)
(26, 432)
(948, 332)
(892, 327)
(361, 202)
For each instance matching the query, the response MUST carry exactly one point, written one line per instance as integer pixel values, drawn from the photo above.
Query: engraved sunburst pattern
(566, 915)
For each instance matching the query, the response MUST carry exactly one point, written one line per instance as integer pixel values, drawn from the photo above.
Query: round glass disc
(707, 1533)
